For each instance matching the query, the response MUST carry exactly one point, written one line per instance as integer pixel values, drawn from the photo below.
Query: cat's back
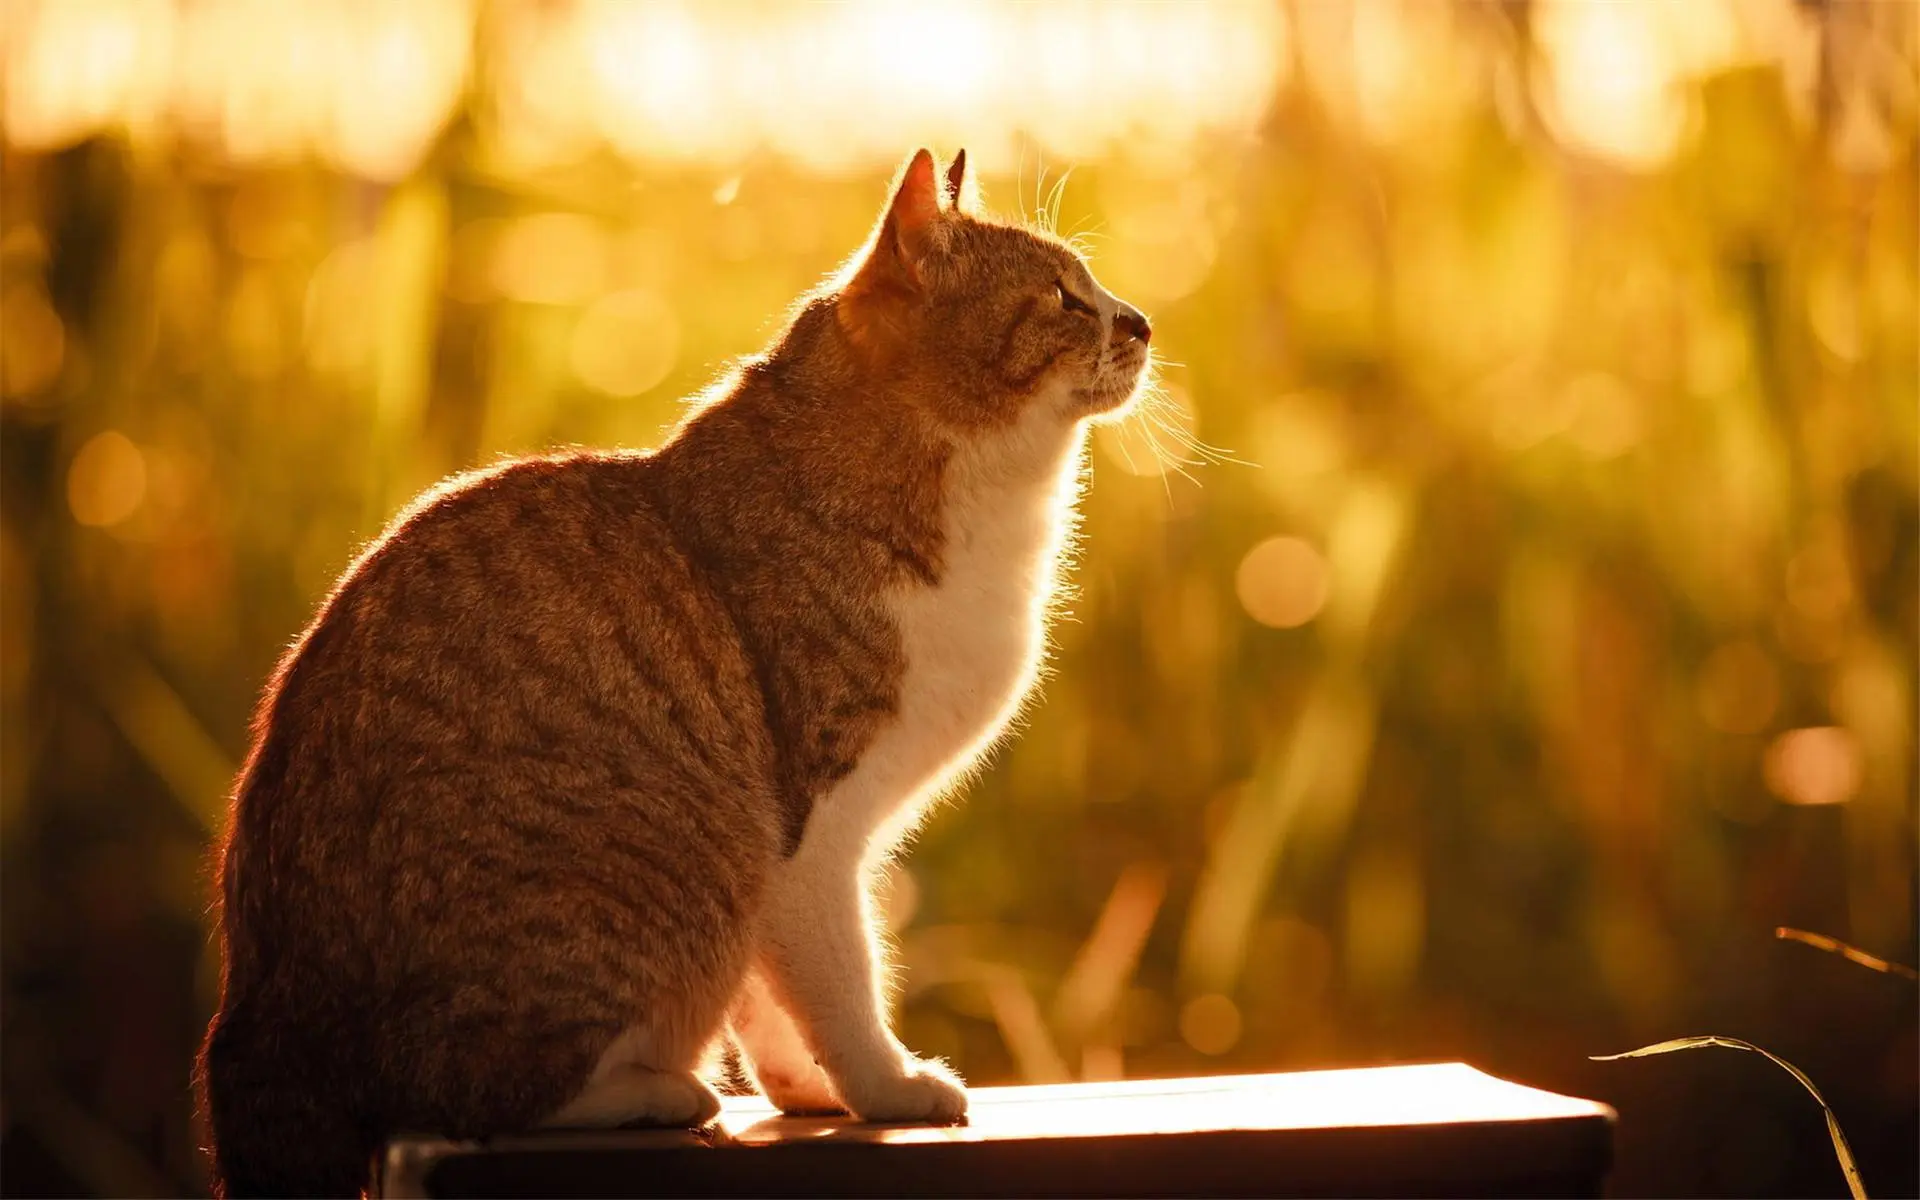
(524, 661)
(534, 580)
(512, 789)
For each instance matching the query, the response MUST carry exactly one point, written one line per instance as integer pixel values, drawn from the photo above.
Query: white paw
(926, 1092)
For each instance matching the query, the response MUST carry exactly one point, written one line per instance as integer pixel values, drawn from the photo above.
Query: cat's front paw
(926, 1092)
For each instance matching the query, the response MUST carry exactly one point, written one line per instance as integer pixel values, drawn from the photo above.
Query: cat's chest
(970, 640)
(973, 642)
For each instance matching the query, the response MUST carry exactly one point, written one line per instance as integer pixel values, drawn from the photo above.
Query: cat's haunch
(588, 760)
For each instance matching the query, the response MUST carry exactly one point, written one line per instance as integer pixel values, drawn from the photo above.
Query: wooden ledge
(1428, 1130)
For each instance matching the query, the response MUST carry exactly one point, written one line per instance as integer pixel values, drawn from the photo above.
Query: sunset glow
(368, 86)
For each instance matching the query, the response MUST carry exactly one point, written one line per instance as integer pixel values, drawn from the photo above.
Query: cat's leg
(821, 960)
(775, 1053)
(626, 1088)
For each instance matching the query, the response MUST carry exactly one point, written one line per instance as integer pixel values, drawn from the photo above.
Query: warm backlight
(369, 84)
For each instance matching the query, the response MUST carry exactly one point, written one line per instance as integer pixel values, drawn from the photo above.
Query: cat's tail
(281, 1123)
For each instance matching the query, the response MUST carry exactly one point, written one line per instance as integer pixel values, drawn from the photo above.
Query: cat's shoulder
(525, 494)
(489, 517)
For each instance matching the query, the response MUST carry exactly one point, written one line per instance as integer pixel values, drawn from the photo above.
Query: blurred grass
(1547, 639)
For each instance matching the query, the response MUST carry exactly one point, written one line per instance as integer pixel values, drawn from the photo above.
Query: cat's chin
(1108, 402)
(1115, 386)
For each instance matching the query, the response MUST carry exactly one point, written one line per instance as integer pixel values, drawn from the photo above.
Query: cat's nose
(1129, 322)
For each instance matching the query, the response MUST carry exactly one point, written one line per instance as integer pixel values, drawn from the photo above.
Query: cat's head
(987, 320)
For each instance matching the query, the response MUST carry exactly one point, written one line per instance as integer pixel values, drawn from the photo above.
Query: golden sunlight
(1611, 76)
(368, 86)
(844, 86)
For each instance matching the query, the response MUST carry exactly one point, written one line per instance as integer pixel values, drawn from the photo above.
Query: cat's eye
(1071, 302)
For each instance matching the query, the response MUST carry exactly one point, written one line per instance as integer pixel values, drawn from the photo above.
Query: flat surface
(1430, 1129)
(1426, 1094)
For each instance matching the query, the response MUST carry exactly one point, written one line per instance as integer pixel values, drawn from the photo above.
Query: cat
(589, 759)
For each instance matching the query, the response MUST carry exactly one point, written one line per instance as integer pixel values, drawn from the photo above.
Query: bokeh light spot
(107, 480)
(549, 258)
(1609, 75)
(1282, 582)
(1820, 765)
(1210, 1023)
(1819, 583)
(32, 341)
(625, 343)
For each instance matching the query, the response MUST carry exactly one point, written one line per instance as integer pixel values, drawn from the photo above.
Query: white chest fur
(975, 642)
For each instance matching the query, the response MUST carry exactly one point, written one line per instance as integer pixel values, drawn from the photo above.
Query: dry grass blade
(1021, 1026)
(1841, 1149)
(1853, 954)
(1106, 963)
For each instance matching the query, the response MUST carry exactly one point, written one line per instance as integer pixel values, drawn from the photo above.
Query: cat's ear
(961, 192)
(915, 202)
(898, 264)
(909, 233)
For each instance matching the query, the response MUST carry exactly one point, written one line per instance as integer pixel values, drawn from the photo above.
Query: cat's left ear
(962, 193)
(916, 205)
(910, 233)
(899, 263)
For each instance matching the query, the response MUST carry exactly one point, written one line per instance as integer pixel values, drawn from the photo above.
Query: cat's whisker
(1055, 198)
(1208, 451)
(1038, 216)
(1177, 465)
(1080, 243)
(1152, 408)
(1191, 442)
(1205, 453)
(1174, 465)
(1020, 186)
(1163, 453)
(1165, 463)
(1126, 455)
(1156, 397)
(1083, 233)
(1166, 487)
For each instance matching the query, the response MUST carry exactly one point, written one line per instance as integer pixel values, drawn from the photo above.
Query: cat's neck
(817, 456)
(808, 455)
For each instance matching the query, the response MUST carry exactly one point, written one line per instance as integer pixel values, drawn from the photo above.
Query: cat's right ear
(962, 195)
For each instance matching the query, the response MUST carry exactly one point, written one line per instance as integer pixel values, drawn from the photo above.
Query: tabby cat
(588, 761)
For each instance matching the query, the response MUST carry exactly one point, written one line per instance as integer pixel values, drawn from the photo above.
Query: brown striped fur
(522, 784)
